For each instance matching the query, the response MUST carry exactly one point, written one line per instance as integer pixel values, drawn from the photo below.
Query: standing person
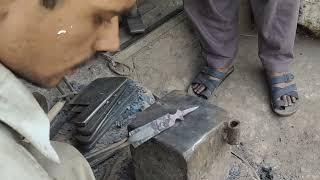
(41, 41)
(217, 24)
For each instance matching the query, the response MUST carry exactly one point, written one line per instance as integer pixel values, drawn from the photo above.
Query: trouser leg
(217, 24)
(276, 22)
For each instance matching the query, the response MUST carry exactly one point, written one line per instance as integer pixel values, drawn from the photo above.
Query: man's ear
(50, 4)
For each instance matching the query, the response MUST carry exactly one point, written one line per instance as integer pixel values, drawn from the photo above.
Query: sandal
(205, 78)
(278, 105)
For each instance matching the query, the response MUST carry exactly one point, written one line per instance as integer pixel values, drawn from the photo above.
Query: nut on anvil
(231, 132)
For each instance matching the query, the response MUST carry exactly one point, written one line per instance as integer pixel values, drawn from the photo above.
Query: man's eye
(98, 20)
(50, 4)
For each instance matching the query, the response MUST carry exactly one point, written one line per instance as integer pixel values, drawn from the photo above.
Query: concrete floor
(168, 59)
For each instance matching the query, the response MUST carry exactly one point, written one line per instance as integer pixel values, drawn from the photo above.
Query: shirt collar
(20, 111)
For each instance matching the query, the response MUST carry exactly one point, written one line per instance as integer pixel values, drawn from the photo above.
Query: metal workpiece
(97, 108)
(142, 134)
(231, 132)
(100, 107)
(121, 99)
(94, 96)
(134, 11)
(134, 21)
(86, 143)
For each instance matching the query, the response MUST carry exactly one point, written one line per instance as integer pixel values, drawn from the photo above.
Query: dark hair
(50, 4)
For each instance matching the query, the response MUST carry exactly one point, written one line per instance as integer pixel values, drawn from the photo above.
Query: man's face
(42, 42)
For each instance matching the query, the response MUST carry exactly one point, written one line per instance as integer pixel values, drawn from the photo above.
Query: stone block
(309, 15)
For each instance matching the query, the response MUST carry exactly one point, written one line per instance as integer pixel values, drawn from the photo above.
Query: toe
(197, 89)
(194, 86)
(289, 100)
(201, 89)
(285, 100)
(294, 99)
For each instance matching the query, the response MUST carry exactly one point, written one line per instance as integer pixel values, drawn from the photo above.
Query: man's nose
(108, 36)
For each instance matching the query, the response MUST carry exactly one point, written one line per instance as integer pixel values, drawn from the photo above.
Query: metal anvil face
(191, 150)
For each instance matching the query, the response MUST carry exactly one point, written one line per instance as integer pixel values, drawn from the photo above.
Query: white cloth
(20, 111)
(25, 149)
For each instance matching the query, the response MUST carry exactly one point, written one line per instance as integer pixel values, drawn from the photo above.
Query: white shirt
(20, 111)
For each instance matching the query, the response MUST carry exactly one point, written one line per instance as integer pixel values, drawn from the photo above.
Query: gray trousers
(217, 24)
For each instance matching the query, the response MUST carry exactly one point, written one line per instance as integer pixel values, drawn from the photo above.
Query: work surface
(285, 148)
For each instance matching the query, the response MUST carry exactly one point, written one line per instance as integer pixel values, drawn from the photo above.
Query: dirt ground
(276, 148)
(272, 147)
